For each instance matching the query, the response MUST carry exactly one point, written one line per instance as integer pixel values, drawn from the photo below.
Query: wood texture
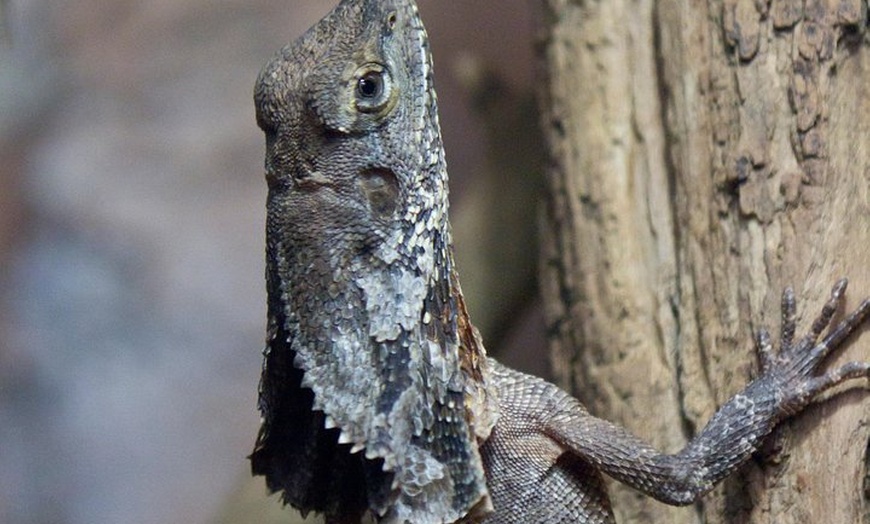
(703, 156)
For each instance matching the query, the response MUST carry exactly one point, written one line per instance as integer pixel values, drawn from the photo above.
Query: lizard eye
(370, 86)
(373, 88)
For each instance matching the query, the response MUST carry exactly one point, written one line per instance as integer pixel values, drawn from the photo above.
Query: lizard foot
(793, 367)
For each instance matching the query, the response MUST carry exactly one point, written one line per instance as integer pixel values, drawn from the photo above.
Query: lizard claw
(794, 365)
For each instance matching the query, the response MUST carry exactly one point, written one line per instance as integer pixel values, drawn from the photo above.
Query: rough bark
(705, 155)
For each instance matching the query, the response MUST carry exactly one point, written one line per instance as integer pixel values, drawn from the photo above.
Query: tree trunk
(704, 155)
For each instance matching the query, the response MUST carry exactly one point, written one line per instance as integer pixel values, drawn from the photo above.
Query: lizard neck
(385, 343)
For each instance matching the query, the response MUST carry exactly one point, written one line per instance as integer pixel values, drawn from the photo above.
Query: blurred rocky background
(131, 240)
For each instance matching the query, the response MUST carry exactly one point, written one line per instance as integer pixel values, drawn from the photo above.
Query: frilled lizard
(377, 397)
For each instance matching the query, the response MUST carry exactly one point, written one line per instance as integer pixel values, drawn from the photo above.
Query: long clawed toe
(820, 384)
(821, 322)
(847, 326)
(806, 354)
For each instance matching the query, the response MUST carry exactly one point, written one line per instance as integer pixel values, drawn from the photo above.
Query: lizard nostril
(391, 21)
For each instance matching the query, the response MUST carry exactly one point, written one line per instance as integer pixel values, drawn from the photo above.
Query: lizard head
(359, 259)
(353, 145)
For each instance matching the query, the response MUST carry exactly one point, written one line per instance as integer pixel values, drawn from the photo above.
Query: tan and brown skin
(378, 400)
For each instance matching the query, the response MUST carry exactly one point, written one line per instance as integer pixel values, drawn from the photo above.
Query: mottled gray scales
(526, 467)
(377, 397)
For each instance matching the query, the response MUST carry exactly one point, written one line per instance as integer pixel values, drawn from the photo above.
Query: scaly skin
(377, 397)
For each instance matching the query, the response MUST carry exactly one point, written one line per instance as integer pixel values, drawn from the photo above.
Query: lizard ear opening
(381, 188)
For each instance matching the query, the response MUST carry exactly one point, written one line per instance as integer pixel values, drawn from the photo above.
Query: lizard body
(378, 399)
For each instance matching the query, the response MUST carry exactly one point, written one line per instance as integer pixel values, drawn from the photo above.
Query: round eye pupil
(370, 86)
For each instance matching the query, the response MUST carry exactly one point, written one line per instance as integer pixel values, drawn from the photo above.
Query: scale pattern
(377, 397)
